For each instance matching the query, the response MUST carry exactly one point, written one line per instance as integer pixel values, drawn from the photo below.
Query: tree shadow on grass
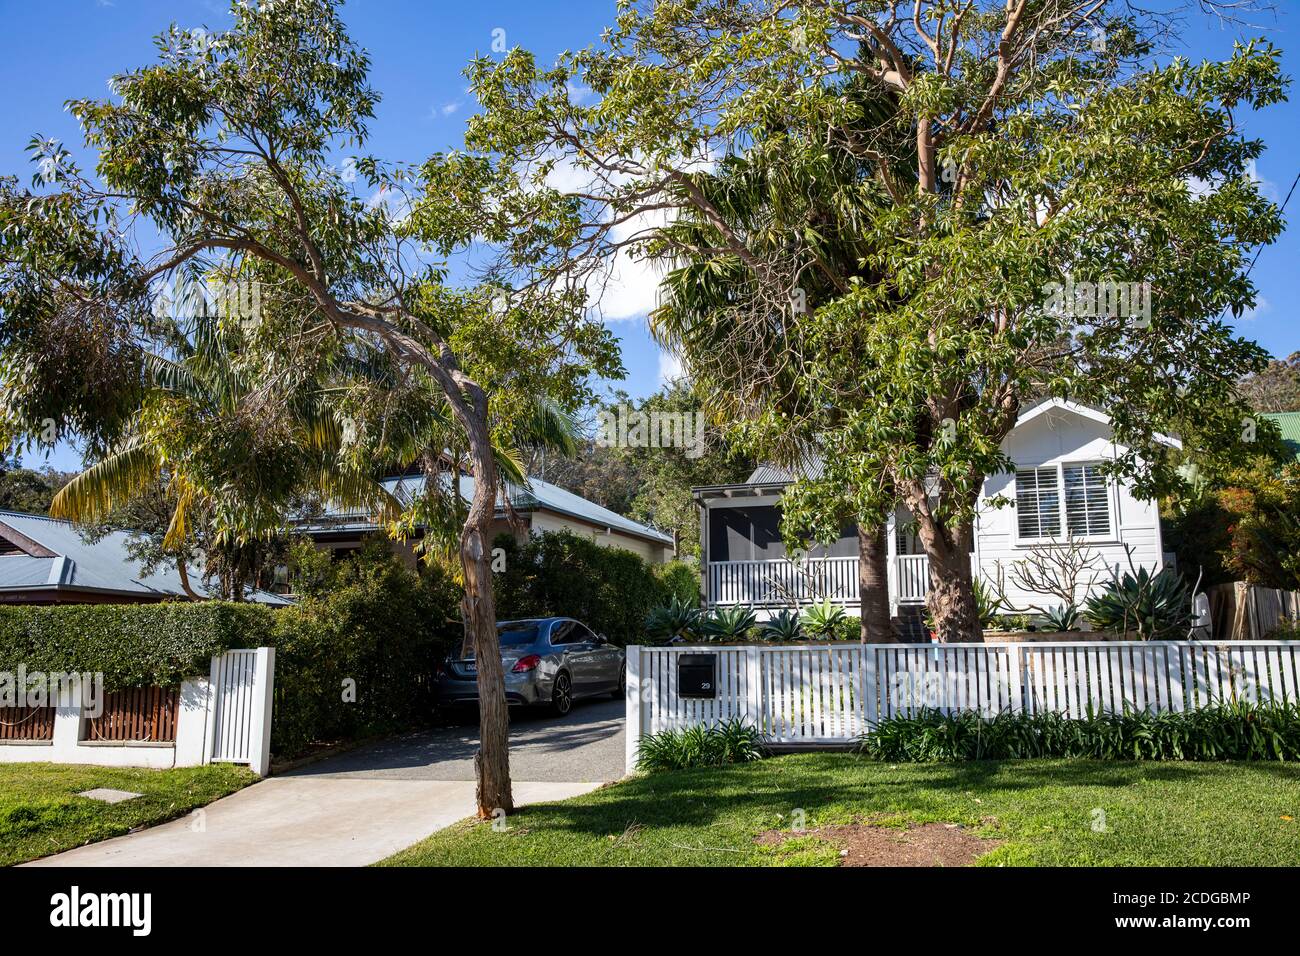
(707, 797)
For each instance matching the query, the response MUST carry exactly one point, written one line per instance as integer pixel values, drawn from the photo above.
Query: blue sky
(60, 49)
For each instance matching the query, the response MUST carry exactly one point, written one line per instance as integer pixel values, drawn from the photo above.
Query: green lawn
(1175, 814)
(40, 812)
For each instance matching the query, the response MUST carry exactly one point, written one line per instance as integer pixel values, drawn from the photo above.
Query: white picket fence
(830, 694)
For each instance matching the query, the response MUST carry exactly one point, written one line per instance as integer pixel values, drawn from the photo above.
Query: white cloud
(670, 367)
(1201, 188)
(628, 286)
(446, 109)
(1262, 306)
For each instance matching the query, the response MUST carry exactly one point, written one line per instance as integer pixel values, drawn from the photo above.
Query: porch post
(891, 550)
(705, 596)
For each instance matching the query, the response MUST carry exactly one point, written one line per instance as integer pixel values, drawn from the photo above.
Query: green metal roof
(1289, 423)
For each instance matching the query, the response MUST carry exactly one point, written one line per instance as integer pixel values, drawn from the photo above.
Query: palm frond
(107, 484)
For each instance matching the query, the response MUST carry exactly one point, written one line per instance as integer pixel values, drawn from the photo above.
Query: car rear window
(517, 636)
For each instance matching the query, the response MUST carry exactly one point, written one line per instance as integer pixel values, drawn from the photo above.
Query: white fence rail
(831, 694)
(913, 578)
(784, 582)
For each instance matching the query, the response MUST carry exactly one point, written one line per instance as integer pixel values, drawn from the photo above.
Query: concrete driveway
(362, 806)
(584, 747)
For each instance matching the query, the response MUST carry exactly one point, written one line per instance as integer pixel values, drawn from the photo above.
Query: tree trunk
(951, 600)
(492, 762)
(184, 573)
(873, 587)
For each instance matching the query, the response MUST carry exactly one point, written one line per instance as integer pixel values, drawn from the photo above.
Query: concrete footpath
(360, 807)
(304, 821)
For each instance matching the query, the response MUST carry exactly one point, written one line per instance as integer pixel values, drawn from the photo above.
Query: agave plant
(986, 603)
(824, 620)
(1062, 618)
(1155, 607)
(675, 621)
(784, 626)
(727, 624)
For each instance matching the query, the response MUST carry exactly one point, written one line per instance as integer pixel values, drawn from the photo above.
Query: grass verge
(41, 813)
(1046, 812)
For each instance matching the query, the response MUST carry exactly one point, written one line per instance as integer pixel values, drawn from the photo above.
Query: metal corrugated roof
(774, 474)
(538, 494)
(1289, 423)
(105, 565)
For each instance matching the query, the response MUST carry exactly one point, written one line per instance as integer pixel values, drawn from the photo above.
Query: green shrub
(849, 628)
(1155, 607)
(1065, 617)
(132, 645)
(675, 621)
(783, 626)
(560, 574)
(680, 580)
(825, 621)
(378, 626)
(728, 625)
(699, 746)
(1237, 731)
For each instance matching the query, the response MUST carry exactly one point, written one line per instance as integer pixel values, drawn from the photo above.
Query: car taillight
(526, 663)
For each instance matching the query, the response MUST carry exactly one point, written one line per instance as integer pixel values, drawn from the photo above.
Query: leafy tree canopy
(1048, 207)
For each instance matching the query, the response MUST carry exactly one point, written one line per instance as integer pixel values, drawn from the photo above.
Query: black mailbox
(697, 676)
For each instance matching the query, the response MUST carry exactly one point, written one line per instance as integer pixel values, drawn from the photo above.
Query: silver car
(551, 661)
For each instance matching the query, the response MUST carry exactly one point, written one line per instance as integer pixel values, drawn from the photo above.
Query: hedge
(382, 629)
(1227, 731)
(379, 625)
(559, 574)
(132, 645)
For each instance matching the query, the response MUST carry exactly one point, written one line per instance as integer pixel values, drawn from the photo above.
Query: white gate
(239, 719)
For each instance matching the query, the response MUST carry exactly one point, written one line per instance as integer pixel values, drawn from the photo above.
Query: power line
(1281, 210)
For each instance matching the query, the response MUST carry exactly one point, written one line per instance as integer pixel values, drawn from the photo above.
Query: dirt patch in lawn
(863, 844)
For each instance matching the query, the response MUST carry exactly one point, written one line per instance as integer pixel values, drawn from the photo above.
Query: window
(1038, 503)
(1041, 491)
(562, 632)
(1087, 503)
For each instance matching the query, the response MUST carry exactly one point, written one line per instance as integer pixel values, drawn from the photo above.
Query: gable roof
(1289, 423)
(769, 474)
(55, 557)
(538, 495)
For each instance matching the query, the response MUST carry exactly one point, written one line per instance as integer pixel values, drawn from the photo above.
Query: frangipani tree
(227, 156)
(1052, 209)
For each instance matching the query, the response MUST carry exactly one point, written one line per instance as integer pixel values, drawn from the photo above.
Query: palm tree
(232, 461)
(731, 304)
(228, 453)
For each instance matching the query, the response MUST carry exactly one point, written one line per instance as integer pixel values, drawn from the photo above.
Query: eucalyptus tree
(1069, 212)
(229, 156)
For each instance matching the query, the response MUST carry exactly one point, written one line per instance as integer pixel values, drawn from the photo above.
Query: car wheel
(562, 694)
(621, 691)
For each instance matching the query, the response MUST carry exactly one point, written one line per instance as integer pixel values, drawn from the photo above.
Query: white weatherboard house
(1056, 492)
